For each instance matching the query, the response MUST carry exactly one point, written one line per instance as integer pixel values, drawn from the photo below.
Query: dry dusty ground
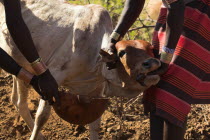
(135, 125)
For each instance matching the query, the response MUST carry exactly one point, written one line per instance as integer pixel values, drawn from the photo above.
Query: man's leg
(173, 132)
(156, 127)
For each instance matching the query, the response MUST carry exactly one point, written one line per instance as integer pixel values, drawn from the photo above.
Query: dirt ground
(133, 125)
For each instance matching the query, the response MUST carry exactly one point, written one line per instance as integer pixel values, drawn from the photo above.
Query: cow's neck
(84, 81)
(114, 86)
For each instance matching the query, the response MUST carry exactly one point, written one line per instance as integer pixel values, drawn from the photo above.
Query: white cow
(68, 38)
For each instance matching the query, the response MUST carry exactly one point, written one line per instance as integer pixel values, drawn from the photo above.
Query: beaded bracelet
(166, 57)
(39, 66)
(166, 54)
(25, 75)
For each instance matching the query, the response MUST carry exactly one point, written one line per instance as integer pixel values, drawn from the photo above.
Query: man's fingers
(41, 94)
(50, 101)
(111, 65)
(57, 98)
(156, 72)
(161, 70)
(44, 97)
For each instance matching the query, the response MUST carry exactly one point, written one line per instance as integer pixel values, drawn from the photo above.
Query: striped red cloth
(187, 80)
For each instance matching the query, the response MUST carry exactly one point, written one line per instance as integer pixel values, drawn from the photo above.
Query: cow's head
(135, 61)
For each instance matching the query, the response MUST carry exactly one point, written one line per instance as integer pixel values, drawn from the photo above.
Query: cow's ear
(106, 57)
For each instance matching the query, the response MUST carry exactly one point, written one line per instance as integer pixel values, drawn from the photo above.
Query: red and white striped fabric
(187, 80)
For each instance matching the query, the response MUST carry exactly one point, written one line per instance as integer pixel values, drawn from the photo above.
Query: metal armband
(39, 66)
(115, 36)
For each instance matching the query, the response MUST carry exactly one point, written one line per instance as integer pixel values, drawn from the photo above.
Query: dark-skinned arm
(8, 64)
(19, 31)
(174, 25)
(130, 13)
(44, 83)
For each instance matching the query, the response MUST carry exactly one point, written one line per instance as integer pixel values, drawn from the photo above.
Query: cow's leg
(41, 118)
(14, 95)
(19, 99)
(94, 128)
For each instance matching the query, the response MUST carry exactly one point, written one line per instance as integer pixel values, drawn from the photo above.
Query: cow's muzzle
(148, 66)
(140, 79)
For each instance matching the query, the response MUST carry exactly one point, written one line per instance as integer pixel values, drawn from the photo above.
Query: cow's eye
(121, 53)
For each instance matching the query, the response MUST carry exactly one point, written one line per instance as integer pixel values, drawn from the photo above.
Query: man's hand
(112, 51)
(161, 70)
(46, 86)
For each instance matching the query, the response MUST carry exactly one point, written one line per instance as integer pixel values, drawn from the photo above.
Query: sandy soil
(129, 124)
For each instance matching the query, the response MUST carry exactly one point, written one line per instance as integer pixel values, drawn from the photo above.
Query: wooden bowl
(75, 111)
